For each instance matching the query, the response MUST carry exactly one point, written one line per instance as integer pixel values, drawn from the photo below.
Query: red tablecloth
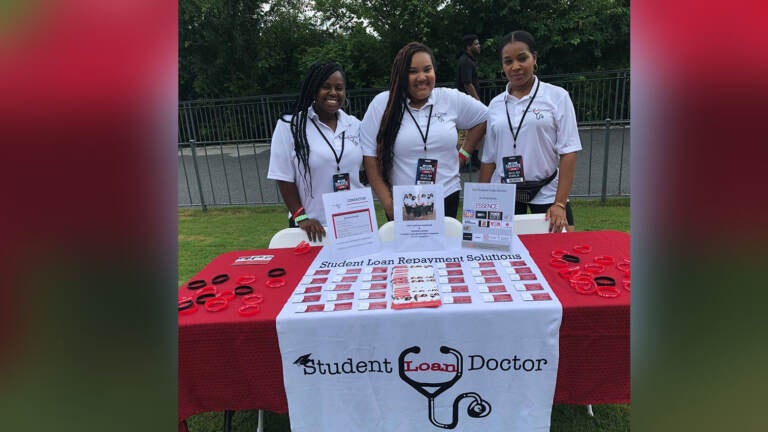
(229, 362)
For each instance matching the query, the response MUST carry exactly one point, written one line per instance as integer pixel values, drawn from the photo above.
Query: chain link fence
(223, 147)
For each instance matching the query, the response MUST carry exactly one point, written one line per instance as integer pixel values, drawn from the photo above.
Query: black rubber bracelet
(186, 304)
(571, 258)
(276, 272)
(196, 284)
(605, 281)
(243, 290)
(202, 298)
(220, 279)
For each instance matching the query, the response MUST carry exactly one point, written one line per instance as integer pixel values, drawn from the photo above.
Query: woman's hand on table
(557, 219)
(313, 228)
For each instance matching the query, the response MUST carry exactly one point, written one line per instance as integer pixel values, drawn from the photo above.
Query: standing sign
(419, 218)
(488, 215)
(352, 227)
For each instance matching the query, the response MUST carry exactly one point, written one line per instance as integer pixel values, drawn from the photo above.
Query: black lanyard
(429, 120)
(337, 156)
(519, 125)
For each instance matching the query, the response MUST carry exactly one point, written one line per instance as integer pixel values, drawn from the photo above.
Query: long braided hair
(317, 74)
(393, 113)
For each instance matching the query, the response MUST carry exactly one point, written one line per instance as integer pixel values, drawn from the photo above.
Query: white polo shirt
(451, 109)
(548, 131)
(284, 164)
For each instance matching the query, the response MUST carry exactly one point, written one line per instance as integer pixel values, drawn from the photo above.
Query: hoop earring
(345, 105)
(535, 67)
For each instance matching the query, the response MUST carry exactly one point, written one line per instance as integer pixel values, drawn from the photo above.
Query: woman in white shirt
(532, 136)
(411, 127)
(316, 148)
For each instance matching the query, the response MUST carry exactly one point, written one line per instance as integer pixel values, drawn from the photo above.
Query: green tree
(230, 48)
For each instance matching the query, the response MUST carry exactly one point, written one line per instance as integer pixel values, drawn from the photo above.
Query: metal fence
(223, 148)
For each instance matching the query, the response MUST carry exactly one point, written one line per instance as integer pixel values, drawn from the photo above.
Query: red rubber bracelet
(558, 253)
(627, 283)
(249, 309)
(274, 282)
(302, 248)
(216, 304)
(210, 289)
(252, 299)
(605, 259)
(582, 248)
(227, 294)
(189, 311)
(188, 305)
(583, 284)
(594, 268)
(568, 272)
(246, 279)
(623, 266)
(558, 263)
(608, 291)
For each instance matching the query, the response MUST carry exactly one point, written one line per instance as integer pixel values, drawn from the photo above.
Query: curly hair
(317, 74)
(393, 113)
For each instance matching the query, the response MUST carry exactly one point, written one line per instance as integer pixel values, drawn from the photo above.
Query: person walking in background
(532, 136)
(316, 148)
(409, 133)
(467, 82)
(466, 68)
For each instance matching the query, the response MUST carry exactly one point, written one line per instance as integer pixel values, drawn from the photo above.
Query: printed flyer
(488, 215)
(420, 218)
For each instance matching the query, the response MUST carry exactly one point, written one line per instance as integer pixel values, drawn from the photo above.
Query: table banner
(485, 359)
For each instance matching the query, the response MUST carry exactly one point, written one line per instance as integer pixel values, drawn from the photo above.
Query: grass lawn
(205, 235)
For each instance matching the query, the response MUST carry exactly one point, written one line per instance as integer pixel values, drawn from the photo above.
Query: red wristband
(594, 268)
(582, 248)
(583, 284)
(626, 283)
(608, 291)
(187, 306)
(605, 259)
(227, 294)
(302, 248)
(569, 272)
(246, 279)
(216, 304)
(558, 263)
(558, 253)
(249, 309)
(253, 299)
(275, 282)
(623, 267)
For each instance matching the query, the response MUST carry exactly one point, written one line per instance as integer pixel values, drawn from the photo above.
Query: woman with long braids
(532, 136)
(316, 148)
(409, 132)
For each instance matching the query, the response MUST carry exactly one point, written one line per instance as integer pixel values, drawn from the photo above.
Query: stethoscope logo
(476, 409)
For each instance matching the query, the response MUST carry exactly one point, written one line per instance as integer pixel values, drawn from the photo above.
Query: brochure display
(419, 218)
(352, 228)
(488, 215)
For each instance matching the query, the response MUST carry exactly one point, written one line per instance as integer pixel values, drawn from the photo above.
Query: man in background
(467, 82)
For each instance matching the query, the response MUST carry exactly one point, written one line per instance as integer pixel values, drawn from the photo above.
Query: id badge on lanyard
(341, 182)
(426, 171)
(512, 169)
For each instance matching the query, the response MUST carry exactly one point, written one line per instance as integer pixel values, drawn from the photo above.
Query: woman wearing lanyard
(409, 131)
(316, 148)
(532, 136)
